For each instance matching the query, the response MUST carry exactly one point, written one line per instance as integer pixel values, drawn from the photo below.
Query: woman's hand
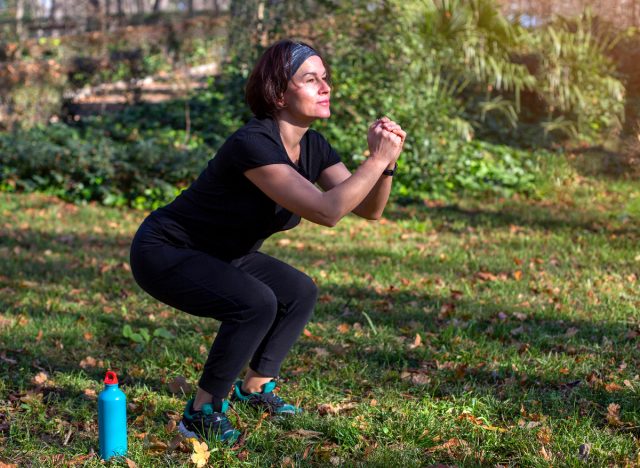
(385, 139)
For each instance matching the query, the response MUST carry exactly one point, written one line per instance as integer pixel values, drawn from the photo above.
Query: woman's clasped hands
(385, 139)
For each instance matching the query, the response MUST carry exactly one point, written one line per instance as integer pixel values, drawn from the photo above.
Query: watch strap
(390, 172)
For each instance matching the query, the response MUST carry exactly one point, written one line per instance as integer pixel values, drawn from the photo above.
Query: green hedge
(85, 164)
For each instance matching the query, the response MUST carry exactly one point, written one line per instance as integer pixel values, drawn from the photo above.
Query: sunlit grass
(481, 332)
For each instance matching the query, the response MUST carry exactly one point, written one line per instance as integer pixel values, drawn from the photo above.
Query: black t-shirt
(224, 213)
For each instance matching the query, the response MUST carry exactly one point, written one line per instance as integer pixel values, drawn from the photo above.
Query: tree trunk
(52, 11)
(216, 8)
(190, 6)
(156, 6)
(20, 29)
(140, 6)
(95, 15)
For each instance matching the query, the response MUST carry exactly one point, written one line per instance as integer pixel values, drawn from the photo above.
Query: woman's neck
(291, 133)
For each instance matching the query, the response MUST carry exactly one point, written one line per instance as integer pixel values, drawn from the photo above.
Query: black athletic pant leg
(263, 304)
(296, 294)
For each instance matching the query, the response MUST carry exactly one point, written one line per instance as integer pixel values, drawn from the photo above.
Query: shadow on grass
(446, 357)
(543, 217)
(470, 348)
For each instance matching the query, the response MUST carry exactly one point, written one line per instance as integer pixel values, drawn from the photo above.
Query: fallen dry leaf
(154, 445)
(90, 362)
(171, 426)
(130, 463)
(545, 454)
(320, 352)
(583, 452)
(178, 443)
(311, 336)
(329, 408)
(304, 434)
(201, 453)
(179, 384)
(613, 387)
(544, 435)
(40, 378)
(486, 276)
(571, 332)
(613, 414)
(416, 342)
(448, 445)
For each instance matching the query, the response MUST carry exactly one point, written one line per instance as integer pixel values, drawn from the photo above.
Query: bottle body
(112, 422)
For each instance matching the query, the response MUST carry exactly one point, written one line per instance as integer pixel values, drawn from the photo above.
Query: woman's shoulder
(316, 140)
(256, 128)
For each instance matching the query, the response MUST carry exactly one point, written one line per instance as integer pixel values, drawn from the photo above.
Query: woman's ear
(280, 102)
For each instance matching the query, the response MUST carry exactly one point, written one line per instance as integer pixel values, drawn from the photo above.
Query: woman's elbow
(369, 215)
(330, 221)
(327, 219)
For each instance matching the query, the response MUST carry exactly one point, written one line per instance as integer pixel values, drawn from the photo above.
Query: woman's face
(308, 94)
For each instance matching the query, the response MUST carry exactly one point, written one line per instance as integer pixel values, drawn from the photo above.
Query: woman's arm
(374, 203)
(289, 189)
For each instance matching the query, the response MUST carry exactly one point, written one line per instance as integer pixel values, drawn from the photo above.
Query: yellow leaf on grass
(201, 453)
(40, 378)
(416, 342)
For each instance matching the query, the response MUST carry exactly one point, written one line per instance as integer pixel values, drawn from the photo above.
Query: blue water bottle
(112, 418)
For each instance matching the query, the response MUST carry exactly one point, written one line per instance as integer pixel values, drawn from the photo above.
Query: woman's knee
(260, 306)
(306, 289)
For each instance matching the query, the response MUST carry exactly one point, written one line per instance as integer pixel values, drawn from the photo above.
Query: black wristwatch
(390, 172)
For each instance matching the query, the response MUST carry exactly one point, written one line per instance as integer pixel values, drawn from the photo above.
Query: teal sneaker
(264, 400)
(207, 422)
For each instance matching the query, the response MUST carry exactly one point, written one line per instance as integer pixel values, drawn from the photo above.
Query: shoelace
(272, 400)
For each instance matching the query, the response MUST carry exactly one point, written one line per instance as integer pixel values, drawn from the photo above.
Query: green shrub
(84, 165)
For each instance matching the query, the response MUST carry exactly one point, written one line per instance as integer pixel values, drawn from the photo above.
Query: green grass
(526, 312)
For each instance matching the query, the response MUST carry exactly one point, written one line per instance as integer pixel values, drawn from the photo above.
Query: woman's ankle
(203, 397)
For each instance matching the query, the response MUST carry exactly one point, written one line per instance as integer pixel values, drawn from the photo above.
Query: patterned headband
(299, 54)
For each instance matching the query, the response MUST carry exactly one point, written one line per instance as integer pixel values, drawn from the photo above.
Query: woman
(200, 253)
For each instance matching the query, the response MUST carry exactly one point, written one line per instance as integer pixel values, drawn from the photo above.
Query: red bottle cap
(111, 378)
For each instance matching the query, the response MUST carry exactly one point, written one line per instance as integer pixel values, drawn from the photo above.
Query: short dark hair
(269, 78)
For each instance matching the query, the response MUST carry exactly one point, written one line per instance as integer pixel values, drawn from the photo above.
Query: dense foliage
(84, 165)
(469, 86)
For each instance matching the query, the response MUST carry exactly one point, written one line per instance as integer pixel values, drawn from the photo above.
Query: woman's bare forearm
(374, 203)
(350, 194)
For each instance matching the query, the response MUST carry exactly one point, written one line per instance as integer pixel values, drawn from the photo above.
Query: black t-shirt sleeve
(332, 157)
(250, 151)
(322, 155)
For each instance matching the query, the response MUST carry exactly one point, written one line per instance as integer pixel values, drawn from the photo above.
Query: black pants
(263, 303)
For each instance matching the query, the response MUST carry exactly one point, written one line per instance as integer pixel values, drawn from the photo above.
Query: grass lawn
(501, 332)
